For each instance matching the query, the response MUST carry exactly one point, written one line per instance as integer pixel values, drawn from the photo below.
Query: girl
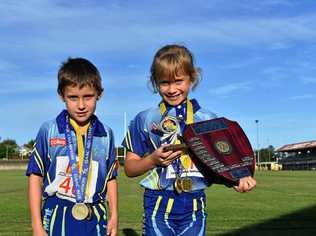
(174, 199)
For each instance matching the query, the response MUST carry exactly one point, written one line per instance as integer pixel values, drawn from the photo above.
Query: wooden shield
(220, 147)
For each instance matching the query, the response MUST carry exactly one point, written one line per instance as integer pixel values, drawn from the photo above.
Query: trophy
(220, 149)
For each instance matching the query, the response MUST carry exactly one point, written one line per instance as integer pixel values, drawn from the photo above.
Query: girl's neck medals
(181, 184)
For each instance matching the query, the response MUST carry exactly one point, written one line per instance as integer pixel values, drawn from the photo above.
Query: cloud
(241, 63)
(292, 70)
(302, 97)
(6, 66)
(122, 37)
(27, 84)
(231, 89)
(269, 5)
(121, 27)
(275, 75)
(127, 80)
(308, 80)
(270, 31)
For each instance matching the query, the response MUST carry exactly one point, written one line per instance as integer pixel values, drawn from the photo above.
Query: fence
(13, 164)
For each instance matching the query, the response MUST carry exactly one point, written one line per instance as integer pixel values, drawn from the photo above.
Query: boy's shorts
(167, 213)
(58, 220)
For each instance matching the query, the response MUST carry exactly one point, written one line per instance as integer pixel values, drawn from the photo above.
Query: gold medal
(177, 185)
(80, 211)
(89, 217)
(186, 184)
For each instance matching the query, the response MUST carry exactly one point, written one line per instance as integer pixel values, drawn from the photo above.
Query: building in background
(298, 156)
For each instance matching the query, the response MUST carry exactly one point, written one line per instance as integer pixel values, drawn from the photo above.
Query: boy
(73, 164)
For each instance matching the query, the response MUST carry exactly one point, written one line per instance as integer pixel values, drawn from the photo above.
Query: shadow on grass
(300, 223)
(129, 232)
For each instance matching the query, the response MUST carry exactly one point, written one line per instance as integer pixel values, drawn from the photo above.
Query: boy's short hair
(170, 61)
(81, 72)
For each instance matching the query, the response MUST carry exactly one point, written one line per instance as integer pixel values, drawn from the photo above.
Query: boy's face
(175, 91)
(80, 102)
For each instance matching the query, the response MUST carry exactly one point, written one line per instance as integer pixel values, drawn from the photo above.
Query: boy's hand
(246, 184)
(112, 227)
(164, 158)
(39, 231)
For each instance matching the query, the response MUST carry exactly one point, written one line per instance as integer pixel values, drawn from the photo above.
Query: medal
(80, 211)
(186, 184)
(177, 185)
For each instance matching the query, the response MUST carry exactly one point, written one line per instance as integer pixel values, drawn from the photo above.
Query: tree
(30, 144)
(8, 148)
(121, 154)
(266, 154)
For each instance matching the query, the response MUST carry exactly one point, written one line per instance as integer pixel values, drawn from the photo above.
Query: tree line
(9, 149)
(267, 154)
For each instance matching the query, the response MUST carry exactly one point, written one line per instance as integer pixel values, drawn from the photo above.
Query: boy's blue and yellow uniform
(168, 212)
(50, 160)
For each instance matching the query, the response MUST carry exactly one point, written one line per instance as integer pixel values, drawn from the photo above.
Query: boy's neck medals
(181, 184)
(80, 210)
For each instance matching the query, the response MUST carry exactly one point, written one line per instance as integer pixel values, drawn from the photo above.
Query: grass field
(284, 203)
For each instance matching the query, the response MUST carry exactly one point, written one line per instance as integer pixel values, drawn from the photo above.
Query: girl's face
(175, 91)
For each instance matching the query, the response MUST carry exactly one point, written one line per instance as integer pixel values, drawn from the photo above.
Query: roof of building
(297, 146)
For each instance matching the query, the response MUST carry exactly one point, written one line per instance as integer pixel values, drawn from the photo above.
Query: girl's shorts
(167, 213)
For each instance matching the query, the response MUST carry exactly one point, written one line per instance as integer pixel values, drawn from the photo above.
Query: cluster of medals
(182, 184)
(80, 210)
(170, 128)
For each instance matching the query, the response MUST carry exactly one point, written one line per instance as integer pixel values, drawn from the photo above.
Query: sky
(257, 60)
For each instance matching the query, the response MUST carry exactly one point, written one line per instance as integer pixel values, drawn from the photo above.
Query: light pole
(7, 151)
(269, 150)
(125, 130)
(258, 152)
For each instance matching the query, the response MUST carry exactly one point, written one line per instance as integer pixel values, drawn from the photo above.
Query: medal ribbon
(185, 159)
(80, 131)
(189, 111)
(80, 181)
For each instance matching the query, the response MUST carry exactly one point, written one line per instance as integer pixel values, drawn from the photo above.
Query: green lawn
(284, 203)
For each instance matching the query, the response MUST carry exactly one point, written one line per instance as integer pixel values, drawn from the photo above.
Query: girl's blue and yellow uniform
(166, 211)
(50, 160)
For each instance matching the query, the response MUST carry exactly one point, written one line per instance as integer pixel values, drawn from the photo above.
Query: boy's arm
(112, 199)
(35, 203)
(135, 165)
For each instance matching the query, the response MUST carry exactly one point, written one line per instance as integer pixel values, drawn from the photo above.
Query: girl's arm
(135, 165)
(246, 184)
(112, 199)
(35, 203)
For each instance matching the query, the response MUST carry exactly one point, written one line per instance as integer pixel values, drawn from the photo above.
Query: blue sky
(257, 59)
